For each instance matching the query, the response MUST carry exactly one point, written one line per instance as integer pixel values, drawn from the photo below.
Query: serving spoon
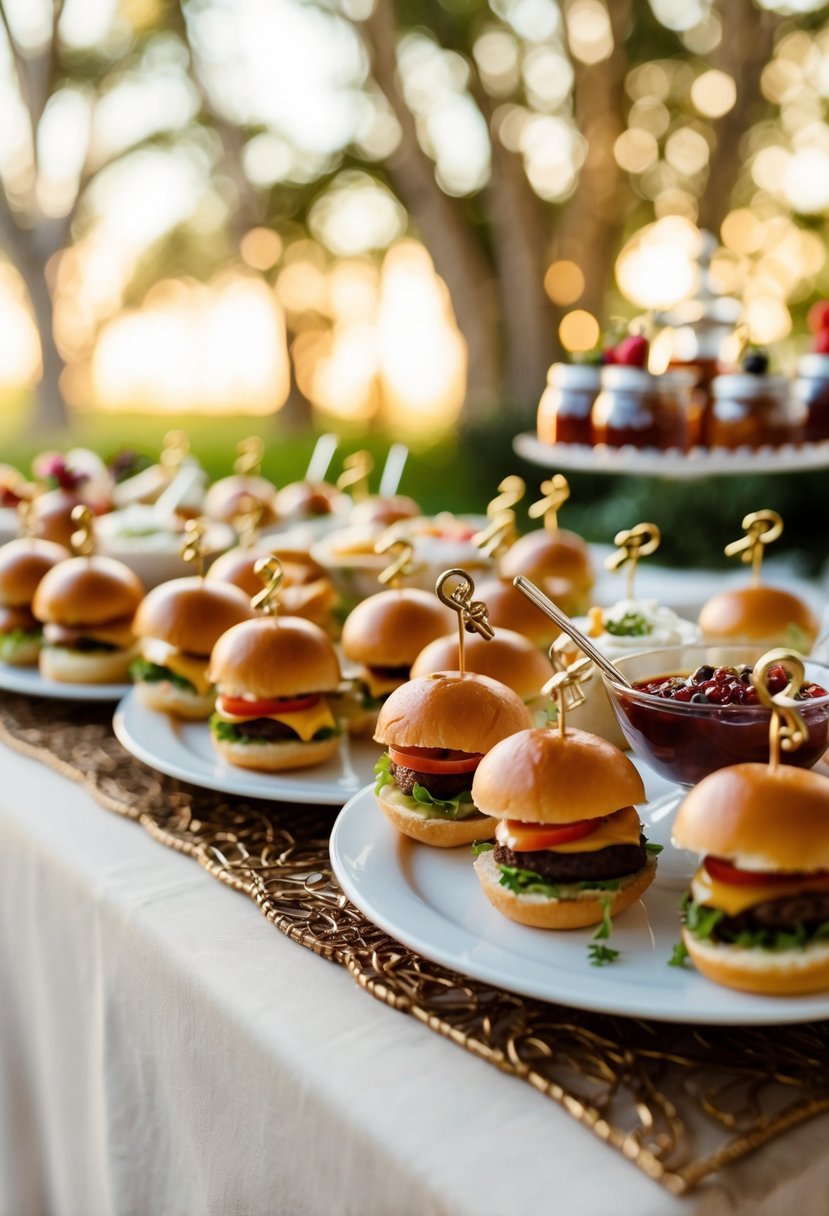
(537, 596)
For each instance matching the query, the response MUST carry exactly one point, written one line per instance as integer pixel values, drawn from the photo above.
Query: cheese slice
(622, 827)
(732, 899)
(188, 666)
(306, 722)
(379, 686)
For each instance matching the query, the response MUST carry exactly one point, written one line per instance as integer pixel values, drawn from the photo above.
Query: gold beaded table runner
(678, 1101)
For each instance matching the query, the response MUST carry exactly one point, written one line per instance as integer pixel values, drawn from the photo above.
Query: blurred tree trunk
(455, 250)
(744, 50)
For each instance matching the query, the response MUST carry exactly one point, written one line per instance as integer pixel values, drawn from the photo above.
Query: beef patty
(440, 785)
(778, 915)
(615, 861)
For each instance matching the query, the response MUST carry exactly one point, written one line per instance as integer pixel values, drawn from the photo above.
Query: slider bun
(67, 666)
(236, 566)
(191, 613)
(274, 757)
(23, 563)
(87, 591)
(50, 516)
(223, 499)
(543, 912)
(758, 819)
(508, 608)
(508, 657)
(441, 833)
(380, 511)
(765, 972)
(768, 616)
(166, 697)
(301, 499)
(274, 657)
(537, 776)
(468, 713)
(391, 628)
(547, 553)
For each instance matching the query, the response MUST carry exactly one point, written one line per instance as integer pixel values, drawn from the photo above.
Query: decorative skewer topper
(176, 446)
(25, 517)
(787, 730)
(500, 532)
(761, 528)
(82, 541)
(247, 519)
(402, 552)
(633, 543)
(472, 614)
(564, 687)
(250, 453)
(556, 491)
(269, 570)
(192, 549)
(357, 468)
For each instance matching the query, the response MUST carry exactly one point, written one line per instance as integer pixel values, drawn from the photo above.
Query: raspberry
(632, 351)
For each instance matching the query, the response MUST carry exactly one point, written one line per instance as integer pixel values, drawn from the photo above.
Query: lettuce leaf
(153, 673)
(704, 923)
(383, 770)
(527, 882)
(420, 800)
(15, 638)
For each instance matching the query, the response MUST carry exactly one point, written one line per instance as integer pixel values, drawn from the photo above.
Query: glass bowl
(684, 741)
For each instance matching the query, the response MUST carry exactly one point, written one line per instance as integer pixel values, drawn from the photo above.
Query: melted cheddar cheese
(622, 827)
(188, 666)
(379, 686)
(732, 899)
(306, 722)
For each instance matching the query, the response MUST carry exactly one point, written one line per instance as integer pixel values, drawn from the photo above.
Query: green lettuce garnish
(527, 882)
(384, 775)
(631, 625)
(154, 673)
(481, 846)
(459, 807)
(704, 922)
(15, 638)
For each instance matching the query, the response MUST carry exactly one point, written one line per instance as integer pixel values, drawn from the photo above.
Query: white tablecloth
(165, 1051)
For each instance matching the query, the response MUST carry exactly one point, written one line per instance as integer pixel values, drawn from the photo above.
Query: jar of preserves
(811, 390)
(638, 408)
(755, 411)
(564, 409)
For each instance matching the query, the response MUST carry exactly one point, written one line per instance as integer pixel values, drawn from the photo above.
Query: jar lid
(615, 376)
(813, 365)
(744, 384)
(575, 375)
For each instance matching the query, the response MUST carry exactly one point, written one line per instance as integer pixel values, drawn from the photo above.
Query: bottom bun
(66, 666)
(20, 654)
(274, 757)
(543, 912)
(764, 972)
(442, 833)
(165, 697)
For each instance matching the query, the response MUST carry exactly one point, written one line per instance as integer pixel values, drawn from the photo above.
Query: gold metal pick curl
(82, 541)
(192, 548)
(401, 549)
(269, 570)
(510, 492)
(556, 491)
(250, 453)
(564, 688)
(357, 468)
(787, 729)
(247, 519)
(176, 446)
(472, 614)
(26, 517)
(633, 543)
(498, 536)
(761, 528)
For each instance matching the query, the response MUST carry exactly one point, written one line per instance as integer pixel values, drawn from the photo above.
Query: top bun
(380, 511)
(236, 566)
(274, 657)
(508, 657)
(308, 499)
(766, 615)
(224, 498)
(190, 613)
(548, 553)
(87, 591)
(391, 628)
(509, 608)
(50, 516)
(758, 819)
(467, 713)
(23, 564)
(539, 777)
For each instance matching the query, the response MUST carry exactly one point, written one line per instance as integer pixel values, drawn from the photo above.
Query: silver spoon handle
(564, 623)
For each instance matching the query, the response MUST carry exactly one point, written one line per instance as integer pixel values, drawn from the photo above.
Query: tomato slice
(532, 837)
(240, 707)
(724, 871)
(435, 759)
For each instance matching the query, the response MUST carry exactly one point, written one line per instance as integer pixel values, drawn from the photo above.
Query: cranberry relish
(722, 686)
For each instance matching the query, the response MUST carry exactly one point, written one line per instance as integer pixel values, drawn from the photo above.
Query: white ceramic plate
(673, 464)
(29, 680)
(184, 750)
(431, 901)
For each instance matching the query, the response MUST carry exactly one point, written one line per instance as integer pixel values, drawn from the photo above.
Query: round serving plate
(431, 901)
(184, 750)
(28, 680)
(673, 464)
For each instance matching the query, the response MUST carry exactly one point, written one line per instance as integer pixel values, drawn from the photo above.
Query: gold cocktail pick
(25, 517)
(269, 570)
(564, 687)
(192, 549)
(761, 528)
(250, 453)
(472, 614)
(633, 543)
(498, 536)
(176, 446)
(82, 541)
(510, 492)
(787, 730)
(402, 551)
(357, 468)
(556, 491)
(247, 519)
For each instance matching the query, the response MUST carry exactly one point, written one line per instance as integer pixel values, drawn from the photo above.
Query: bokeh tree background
(389, 218)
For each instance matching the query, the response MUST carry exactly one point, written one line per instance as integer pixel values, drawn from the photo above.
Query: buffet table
(164, 1049)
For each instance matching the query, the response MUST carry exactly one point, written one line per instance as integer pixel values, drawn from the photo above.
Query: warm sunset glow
(19, 345)
(564, 282)
(656, 268)
(579, 331)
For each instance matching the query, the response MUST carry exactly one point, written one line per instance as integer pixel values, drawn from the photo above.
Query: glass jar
(811, 388)
(564, 409)
(754, 412)
(643, 410)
